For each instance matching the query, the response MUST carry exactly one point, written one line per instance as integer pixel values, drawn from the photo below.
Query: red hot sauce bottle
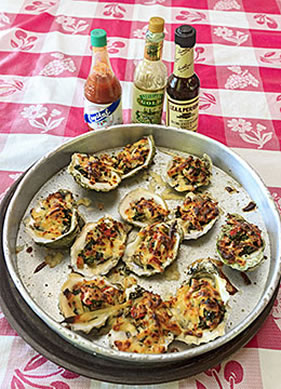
(102, 90)
(183, 84)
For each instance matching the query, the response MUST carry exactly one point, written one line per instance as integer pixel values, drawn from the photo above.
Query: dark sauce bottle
(183, 85)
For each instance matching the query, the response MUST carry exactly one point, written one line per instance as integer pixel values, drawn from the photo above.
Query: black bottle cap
(185, 36)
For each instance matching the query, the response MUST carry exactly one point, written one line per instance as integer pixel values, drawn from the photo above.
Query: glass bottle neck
(153, 46)
(100, 61)
(184, 59)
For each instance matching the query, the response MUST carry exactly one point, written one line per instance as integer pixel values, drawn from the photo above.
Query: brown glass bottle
(183, 84)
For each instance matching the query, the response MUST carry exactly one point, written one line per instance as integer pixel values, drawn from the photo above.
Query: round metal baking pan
(173, 139)
(45, 341)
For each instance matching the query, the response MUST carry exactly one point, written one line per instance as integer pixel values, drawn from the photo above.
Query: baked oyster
(146, 326)
(200, 306)
(240, 244)
(187, 174)
(141, 207)
(154, 248)
(135, 157)
(99, 246)
(89, 303)
(93, 172)
(55, 221)
(197, 214)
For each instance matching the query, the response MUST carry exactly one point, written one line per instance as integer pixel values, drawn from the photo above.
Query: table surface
(45, 58)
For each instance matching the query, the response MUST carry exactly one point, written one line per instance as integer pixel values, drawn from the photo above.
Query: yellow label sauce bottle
(150, 77)
(183, 85)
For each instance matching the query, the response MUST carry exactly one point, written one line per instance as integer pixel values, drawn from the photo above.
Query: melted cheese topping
(146, 210)
(53, 215)
(148, 326)
(133, 156)
(92, 295)
(239, 239)
(188, 173)
(198, 306)
(87, 300)
(96, 169)
(196, 213)
(103, 243)
(157, 246)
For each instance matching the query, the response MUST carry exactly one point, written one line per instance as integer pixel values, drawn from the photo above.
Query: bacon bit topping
(197, 212)
(101, 242)
(157, 246)
(146, 210)
(229, 189)
(239, 239)
(148, 326)
(92, 295)
(53, 216)
(249, 207)
(190, 171)
(200, 306)
(133, 156)
(40, 267)
(97, 169)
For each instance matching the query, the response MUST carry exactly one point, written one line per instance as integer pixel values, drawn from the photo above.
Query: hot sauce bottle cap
(98, 37)
(185, 36)
(156, 24)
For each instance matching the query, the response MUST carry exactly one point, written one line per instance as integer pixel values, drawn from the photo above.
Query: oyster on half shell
(200, 306)
(55, 221)
(141, 207)
(89, 303)
(99, 246)
(93, 172)
(135, 157)
(188, 173)
(240, 244)
(197, 214)
(147, 326)
(154, 248)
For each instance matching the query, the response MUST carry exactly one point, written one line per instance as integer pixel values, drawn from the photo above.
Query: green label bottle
(150, 77)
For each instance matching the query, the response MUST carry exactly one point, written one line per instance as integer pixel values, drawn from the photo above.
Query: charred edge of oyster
(112, 233)
(66, 239)
(210, 309)
(132, 257)
(187, 226)
(147, 162)
(183, 184)
(90, 308)
(113, 176)
(128, 204)
(248, 255)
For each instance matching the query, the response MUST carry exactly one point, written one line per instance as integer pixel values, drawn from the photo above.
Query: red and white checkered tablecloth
(44, 60)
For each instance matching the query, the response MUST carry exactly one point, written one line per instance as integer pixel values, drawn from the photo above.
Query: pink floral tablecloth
(45, 58)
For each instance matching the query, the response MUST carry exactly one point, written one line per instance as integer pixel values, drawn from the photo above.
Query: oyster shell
(146, 326)
(141, 207)
(240, 244)
(197, 214)
(135, 157)
(188, 174)
(93, 172)
(200, 306)
(89, 303)
(99, 246)
(55, 221)
(154, 248)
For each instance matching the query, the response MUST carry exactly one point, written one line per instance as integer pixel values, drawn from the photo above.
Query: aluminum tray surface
(40, 290)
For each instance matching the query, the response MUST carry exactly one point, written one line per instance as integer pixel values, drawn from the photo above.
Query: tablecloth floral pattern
(45, 58)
